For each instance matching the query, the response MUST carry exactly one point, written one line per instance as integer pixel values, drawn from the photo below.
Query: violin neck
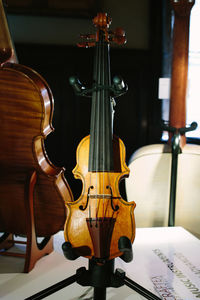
(101, 127)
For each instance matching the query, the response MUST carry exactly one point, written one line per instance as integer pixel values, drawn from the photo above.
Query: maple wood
(177, 116)
(76, 231)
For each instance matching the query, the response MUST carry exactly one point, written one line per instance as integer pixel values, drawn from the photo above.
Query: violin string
(90, 206)
(103, 125)
(97, 159)
(94, 129)
(102, 118)
(107, 121)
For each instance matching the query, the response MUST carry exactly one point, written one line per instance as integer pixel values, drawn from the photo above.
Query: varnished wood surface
(99, 206)
(26, 106)
(7, 52)
(179, 76)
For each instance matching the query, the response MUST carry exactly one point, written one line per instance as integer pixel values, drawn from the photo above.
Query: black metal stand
(100, 277)
(176, 150)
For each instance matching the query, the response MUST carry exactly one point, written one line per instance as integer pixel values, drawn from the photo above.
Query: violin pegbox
(102, 22)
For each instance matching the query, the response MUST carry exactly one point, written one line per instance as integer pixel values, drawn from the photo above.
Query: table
(166, 262)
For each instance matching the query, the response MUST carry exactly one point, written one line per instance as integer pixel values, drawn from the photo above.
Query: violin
(26, 105)
(100, 220)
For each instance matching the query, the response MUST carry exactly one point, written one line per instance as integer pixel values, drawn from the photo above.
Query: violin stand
(100, 277)
(175, 150)
(34, 251)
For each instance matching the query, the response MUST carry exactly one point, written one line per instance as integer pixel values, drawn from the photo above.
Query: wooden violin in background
(7, 52)
(100, 222)
(150, 167)
(32, 190)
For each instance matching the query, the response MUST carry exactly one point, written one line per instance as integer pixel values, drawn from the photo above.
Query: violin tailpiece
(101, 230)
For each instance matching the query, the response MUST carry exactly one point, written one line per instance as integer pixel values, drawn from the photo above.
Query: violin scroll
(102, 21)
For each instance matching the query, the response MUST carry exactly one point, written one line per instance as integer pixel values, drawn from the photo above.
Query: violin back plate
(26, 106)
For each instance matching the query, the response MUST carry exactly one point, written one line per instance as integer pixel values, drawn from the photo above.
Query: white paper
(164, 88)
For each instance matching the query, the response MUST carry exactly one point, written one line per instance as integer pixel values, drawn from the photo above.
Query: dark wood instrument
(152, 166)
(7, 52)
(177, 115)
(26, 105)
(100, 217)
(26, 112)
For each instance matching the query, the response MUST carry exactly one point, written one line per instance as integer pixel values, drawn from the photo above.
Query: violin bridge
(102, 196)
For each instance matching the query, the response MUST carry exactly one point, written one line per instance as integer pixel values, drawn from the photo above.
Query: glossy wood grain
(26, 105)
(177, 116)
(99, 206)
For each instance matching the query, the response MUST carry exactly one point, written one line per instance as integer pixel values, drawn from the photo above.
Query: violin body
(106, 224)
(26, 105)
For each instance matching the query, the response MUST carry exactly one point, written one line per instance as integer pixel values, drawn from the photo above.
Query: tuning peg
(90, 40)
(88, 36)
(86, 44)
(118, 36)
(119, 32)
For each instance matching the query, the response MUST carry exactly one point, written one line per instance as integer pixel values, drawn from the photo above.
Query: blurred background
(45, 34)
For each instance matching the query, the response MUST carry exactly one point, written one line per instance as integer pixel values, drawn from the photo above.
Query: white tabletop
(166, 262)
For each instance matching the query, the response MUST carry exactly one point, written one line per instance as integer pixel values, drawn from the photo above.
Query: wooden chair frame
(34, 250)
